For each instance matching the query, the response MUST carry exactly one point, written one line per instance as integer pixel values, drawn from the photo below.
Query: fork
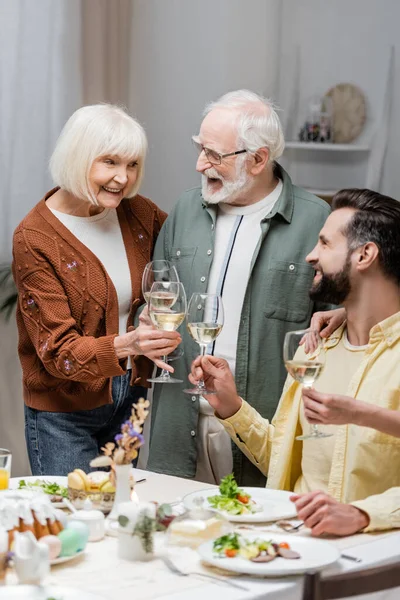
(172, 567)
(288, 526)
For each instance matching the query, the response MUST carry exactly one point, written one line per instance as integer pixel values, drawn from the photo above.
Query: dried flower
(126, 444)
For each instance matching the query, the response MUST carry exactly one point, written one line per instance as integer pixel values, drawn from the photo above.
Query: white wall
(186, 53)
(342, 41)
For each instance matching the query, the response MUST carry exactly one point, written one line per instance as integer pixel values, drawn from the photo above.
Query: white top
(237, 234)
(102, 235)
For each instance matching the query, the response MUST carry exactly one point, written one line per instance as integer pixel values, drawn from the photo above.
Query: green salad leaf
(228, 487)
(53, 489)
(229, 498)
(226, 542)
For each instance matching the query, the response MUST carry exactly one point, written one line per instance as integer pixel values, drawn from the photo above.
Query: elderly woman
(78, 262)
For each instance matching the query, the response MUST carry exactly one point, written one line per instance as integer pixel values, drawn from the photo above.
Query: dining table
(101, 572)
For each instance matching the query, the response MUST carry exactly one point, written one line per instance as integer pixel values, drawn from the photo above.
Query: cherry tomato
(284, 545)
(243, 499)
(230, 552)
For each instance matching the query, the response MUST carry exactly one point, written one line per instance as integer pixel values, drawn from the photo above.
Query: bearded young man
(350, 481)
(243, 235)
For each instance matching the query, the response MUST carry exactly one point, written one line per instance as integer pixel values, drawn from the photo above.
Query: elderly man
(350, 481)
(244, 235)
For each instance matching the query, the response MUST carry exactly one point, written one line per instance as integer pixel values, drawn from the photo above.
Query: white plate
(314, 556)
(14, 482)
(36, 592)
(63, 559)
(275, 504)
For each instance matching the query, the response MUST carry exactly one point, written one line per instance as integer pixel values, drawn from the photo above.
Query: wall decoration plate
(349, 112)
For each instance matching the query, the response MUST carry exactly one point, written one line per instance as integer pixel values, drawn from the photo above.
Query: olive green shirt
(276, 301)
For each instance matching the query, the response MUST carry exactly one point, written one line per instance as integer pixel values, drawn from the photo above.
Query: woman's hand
(217, 376)
(326, 322)
(151, 342)
(144, 317)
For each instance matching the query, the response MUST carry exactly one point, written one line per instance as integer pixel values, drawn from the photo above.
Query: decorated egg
(81, 528)
(71, 541)
(54, 545)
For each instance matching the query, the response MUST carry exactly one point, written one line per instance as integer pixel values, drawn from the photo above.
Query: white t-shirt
(237, 234)
(102, 235)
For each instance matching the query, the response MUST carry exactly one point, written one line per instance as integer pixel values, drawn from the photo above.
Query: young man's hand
(322, 514)
(218, 377)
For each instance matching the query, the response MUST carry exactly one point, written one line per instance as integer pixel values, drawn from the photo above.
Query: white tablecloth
(100, 570)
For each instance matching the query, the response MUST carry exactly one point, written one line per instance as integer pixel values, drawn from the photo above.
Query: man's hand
(217, 376)
(326, 322)
(322, 514)
(330, 409)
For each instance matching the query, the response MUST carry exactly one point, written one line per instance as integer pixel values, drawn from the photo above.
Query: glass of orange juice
(5, 468)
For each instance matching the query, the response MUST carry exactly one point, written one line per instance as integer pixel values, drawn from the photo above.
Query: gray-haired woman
(78, 262)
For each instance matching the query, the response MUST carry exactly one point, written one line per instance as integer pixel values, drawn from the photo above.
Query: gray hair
(258, 124)
(91, 132)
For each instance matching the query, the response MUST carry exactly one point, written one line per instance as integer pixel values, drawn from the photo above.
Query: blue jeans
(58, 443)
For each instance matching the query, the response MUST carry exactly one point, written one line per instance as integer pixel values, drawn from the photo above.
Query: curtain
(106, 27)
(40, 86)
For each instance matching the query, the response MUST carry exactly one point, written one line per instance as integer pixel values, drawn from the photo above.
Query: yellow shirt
(316, 460)
(365, 469)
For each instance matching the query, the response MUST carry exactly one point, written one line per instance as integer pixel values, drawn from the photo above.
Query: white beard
(230, 189)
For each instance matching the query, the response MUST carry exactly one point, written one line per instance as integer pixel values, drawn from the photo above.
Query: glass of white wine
(167, 310)
(205, 319)
(305, 368)
(160, 270)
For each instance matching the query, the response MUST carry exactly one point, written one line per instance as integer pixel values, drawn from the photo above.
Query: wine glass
(160, 270)
(167, 310)
(303, 367)
(205, 319)
(157, 270)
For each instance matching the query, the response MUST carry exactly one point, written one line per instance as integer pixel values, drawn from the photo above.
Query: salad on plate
(56, 492)
(256, 550)
(233, 499)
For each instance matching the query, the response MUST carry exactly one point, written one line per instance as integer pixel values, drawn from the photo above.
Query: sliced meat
(285, 553)
(262, 558)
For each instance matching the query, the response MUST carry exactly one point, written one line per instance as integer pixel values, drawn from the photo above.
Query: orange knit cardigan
(67, 312)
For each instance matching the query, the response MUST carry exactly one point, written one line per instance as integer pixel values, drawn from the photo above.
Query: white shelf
(327, 147)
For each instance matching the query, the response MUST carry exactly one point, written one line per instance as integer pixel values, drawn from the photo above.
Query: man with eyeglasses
(244, 235)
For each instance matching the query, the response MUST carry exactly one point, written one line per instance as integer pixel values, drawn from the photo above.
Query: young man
(244, 235)
(350, 481)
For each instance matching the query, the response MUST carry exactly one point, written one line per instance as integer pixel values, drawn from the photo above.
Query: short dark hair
(377, 220)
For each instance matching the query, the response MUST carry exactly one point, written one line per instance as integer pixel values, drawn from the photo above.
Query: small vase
(122, 489)
(130, 547)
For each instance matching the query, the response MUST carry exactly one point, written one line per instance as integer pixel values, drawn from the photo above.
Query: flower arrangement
(125, 447)
(147, 523)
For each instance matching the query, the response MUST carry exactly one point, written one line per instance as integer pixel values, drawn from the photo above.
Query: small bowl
(100, 500)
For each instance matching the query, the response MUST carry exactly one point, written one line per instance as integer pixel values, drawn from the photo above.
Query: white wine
(204, 333)
(160, 300)
(305, 371)
(167, 321)
(147, 297)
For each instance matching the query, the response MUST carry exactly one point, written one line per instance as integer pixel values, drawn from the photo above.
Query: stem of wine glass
(314, 428)
(200, 384)
(164, 373)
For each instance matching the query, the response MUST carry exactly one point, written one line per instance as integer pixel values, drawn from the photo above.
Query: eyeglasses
(213, 157)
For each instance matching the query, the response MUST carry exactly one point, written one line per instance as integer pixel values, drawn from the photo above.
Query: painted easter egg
(71, 541)
(81, 528)
(54, 545)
